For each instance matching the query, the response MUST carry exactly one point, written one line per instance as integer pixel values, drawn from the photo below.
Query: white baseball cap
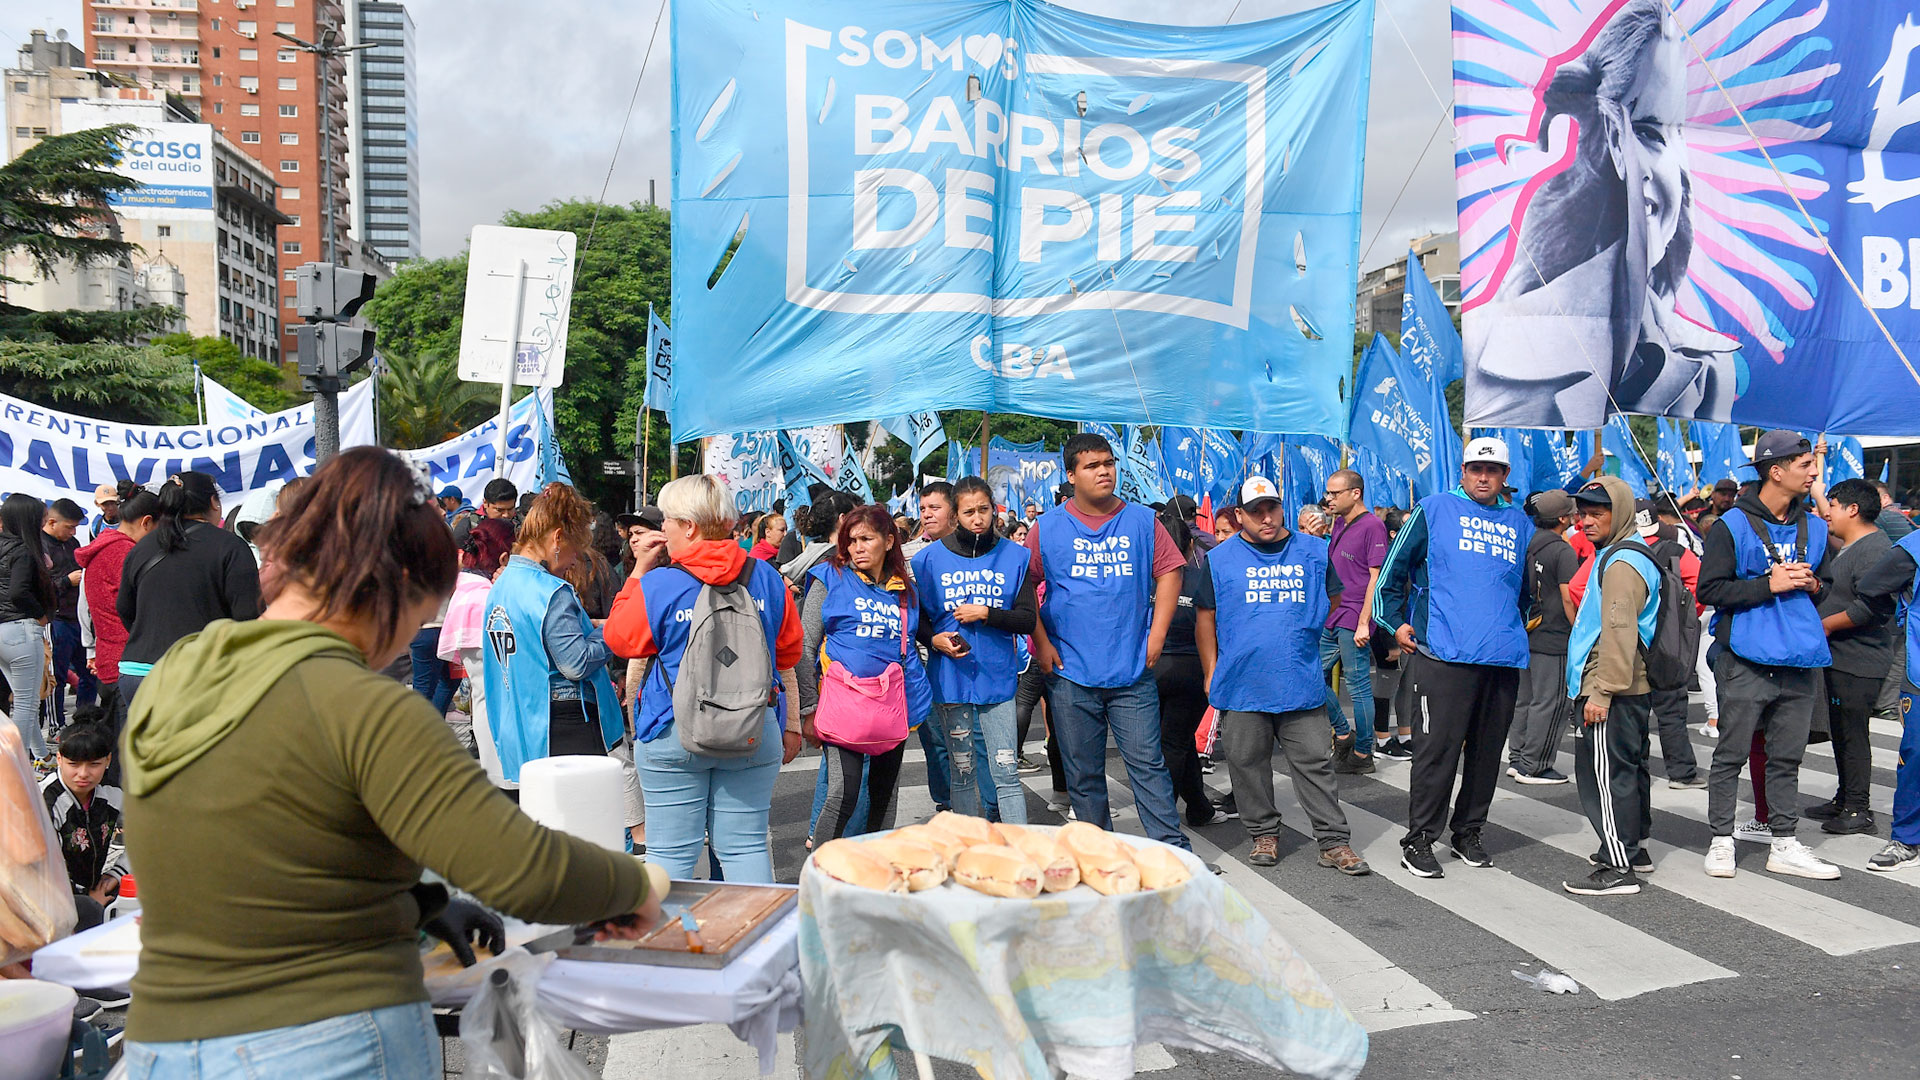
(1487, 448)
(1258, 489)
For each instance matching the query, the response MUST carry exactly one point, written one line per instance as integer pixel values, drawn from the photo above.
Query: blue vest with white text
(518, 674)
(943, 580)
(1268, 611)
(1911, 542)
(861, 631)
(1099, 602)
(1476, 564)
(670, 594)
(1785, 631)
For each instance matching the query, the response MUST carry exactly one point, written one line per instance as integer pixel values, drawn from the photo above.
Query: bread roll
(658, 883)
(998, 870)
(1104, 865)
(1009, 832)
(968, 830)
(22, 841)
(1159, 867)
(945, 843)
(849, 861)
(923, 866)
(1058, 870)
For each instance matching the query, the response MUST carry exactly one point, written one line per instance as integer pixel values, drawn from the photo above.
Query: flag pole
(646, 453)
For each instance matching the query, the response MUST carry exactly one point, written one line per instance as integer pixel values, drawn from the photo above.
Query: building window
(246, 28)
(163, 230)
(216, 26)
(104, 51)
(294, 220)
(283, 28)
(249, 110)
(289, 110)
(249, 54)
(22, 133)
(190, 83)
(103, 24)
(249, 136)
(218, 106)
(250, 83)
(291, 247)
(289, 193)
(163, 53)
(216, 48)
(286, 56)
(218, 79)
(289, 165)
(282, 3)
(289, 138)
(289, 84)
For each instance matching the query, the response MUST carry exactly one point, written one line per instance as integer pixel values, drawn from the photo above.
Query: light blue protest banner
(1310, 462)
(1392, 418)
(1846, 459)
(798, 471)
(553, 467)
(1013, 206)
(1722, 455)
(1023, 473)
(1428, 341)
(850, 477)
(1623, 455)
(659, 363)
(1139, 479)
(1672, 467)
(1384, 486)
(1221, 465)
(1183, 451)
(1262, 454)
(922, 432)
(748, 462)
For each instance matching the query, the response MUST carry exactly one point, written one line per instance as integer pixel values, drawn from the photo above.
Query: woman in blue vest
(697, 799)
(861, 616)
(976, 600)
(545, 667)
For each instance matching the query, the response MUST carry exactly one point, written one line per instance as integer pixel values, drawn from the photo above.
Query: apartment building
(384, 158)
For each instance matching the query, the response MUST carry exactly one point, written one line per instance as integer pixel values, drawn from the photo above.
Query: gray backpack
(725, 684)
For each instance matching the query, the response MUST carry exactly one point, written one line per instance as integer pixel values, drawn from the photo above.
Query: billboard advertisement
(174, 164)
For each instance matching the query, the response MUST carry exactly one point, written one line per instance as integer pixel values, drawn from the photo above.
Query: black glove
(464, 924)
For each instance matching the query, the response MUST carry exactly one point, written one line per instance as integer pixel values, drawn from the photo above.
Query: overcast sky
(521, 104)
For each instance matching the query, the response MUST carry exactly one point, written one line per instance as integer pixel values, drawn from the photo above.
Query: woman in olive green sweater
(283, 798)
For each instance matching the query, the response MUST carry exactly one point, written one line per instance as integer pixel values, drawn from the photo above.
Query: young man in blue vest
(1894, 578)
(1759, 571)
(1452, 595)
(1113, 575)
(1257, 623)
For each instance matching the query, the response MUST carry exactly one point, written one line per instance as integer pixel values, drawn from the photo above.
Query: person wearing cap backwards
(1257, 620)
(1451, 594)
(1540, 715)
(1607, 682)
(1759, 571)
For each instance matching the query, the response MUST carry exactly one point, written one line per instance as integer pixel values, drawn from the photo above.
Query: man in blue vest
(1894, 578)
(1759, 572)
(1452, 595)
(1112, 573)
(1257, 622)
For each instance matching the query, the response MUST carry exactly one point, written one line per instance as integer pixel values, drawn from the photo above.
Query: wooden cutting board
(725, 915)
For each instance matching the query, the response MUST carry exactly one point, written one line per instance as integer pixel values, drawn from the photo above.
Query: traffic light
(329, 293)
(325, 349)
(331, 351)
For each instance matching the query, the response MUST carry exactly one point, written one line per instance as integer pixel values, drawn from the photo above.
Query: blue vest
(1099, 602)
(1268, 611)
(1476, 563)
(861, 631)
(1586, 624)
(1785, 631)
(669, 594)
(518, 675)
(943, 580)
(1911, 543)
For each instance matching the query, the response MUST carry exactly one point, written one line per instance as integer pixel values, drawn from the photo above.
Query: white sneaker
(1790, 856)
(1754, 831)
(1720, 857)
(1710, 729)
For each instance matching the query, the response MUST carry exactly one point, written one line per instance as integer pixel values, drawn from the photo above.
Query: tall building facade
(385, 153)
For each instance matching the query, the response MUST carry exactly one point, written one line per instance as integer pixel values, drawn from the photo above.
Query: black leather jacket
(21, 596)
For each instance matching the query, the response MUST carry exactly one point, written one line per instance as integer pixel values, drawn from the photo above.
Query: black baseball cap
(647, 517)
(1183, 505)
(1726, 483)
(1596, 494)
(1778, 444)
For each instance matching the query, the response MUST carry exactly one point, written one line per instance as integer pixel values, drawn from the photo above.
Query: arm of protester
(1021, 617)
(1166, 600)
(242, 585)
(1395, 582)
(574, 653)
(813, 632)
(1719, 587)
(628, 632)
(789, 642)
(1884, 583)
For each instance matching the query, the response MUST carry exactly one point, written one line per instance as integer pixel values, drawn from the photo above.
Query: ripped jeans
(973, 731)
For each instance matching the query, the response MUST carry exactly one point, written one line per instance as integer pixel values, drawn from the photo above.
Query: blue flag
(1722, 456)
(1846, 460)
(1016, 207)
(1672, 467)
(798, 473)
(1384, 486)
(1428, 340)
(1886, 469)
(1183, 451)
(1221, 466)
(553, 468)
(1020, 473)
(851, 478)
(659, 363)
(1520, 454)
(1624, 458)
(1262, 453)
(1139, 472)
(1399, 419)
(1309, 461)
(922, 432)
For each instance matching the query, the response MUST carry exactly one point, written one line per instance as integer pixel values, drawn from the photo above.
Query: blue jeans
(939, 783)
(973, 732)
(69, 655)
(430, 674)
(1336, 644)
(394, 1043)
(693, 799)
(1082, 716)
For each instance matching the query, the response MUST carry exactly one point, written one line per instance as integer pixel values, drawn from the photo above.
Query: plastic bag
(1549, 981)
(505, 1034)
(36, 902)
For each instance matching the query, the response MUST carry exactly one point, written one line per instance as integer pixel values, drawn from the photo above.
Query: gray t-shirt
(1551, 563)
(1866, 649)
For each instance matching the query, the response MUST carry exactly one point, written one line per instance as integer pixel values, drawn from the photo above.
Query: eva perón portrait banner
(1008, 205)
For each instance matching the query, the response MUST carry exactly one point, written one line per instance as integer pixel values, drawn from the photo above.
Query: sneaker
(1266, 851)
(1513, 772)
(1720, 857)
(1354, 764)
(1823, 811)
(1201, 815)
(1642, 862)
(1710, 729)
(44, 767)
(1028, 766)
(1395, 750)
(1345, 860)
(1467, 848)
(1693, 783)
(1059, 804)
(1226, 809)
(1754, 831)
(1604, 881)
(1790, 856)
(1547, 775)
(1206, 764)
(1849, 822)
(1417, 857)
(1895, 856)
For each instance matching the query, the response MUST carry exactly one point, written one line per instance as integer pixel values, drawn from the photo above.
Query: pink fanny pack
(865, 713)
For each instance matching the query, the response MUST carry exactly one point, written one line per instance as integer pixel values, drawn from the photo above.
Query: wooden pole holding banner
(512, 368)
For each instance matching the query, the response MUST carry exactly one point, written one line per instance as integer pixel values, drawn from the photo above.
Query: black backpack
(1671, 655)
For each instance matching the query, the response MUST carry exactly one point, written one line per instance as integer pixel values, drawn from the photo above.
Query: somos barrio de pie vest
(1476, 565)
(944, 580)
(861, 629)
(1268, 610)
(517, 672)
(1099, 602)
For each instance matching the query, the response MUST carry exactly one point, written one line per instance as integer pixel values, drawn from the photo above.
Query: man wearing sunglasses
(1356, 549)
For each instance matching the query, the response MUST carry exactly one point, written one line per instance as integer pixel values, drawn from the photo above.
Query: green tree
(53, 200)
(130, 383)
(423, 400)
(263, 384)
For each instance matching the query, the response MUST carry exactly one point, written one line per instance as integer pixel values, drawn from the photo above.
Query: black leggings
(1183, 704)
(573, 727)
(843, 787)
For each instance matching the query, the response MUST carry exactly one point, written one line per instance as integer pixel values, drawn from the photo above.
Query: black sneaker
(1206, 764)
(1198, 816)
(1548, 775)
(1466, 847)
(1849, 821)
(1823, 811)
(1354, 764)
(1642, 862)
(1604, 881)
(1417, 857)
(1395, 749)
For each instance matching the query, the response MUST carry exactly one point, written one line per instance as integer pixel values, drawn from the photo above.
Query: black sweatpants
(1670, 717)
(1460, 714)
(1183, 704)
(1850, 704)
(1610, 766)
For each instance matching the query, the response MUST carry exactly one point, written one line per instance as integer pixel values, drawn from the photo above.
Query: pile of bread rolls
(1013, 861)
(33, 875)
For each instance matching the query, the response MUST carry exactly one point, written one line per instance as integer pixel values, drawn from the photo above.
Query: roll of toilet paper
(577, 794)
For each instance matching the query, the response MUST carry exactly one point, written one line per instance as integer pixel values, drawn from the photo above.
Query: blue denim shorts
(395, 1043)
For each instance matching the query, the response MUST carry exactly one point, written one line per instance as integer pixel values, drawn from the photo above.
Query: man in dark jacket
(1760, 572)
(69, 656)
(1862, 648)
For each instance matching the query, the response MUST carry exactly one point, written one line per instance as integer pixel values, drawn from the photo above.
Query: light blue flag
(1392, 418)
(1139, 472)
(798, 473)
(922, 432)
(1722, 456)
(851, 478)
(1428, 340)
(1886, 469)
(659, 363)
(1017, 207)
(553, 468)
(1556, 461)
(1846, 459)
(1221, 465)
(1384, 486)
(1183, 451)
(906, 502)
(1672, 467)
(1520, 454)
(959, 461)
(1624, 458)
(1024, 472)
(1261, 453)
(1310, 462)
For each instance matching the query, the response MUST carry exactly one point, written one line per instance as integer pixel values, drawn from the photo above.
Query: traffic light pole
(326, 421)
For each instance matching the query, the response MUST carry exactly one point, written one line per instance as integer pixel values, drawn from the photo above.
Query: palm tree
(423, 400)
